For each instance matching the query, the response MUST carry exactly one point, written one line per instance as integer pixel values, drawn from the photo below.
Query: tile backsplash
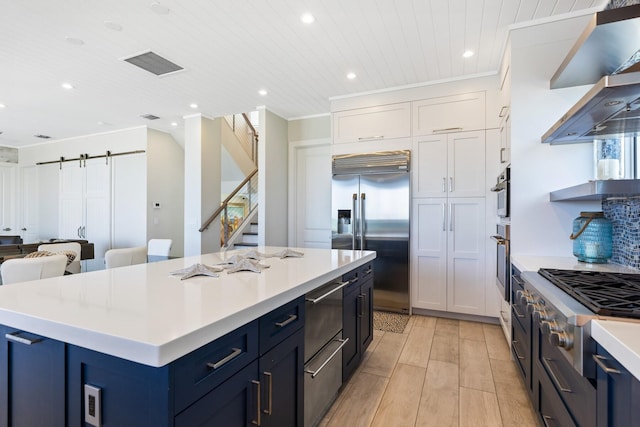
(625, 216)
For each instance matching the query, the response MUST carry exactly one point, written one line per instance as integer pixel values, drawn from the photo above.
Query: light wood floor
(439, 372)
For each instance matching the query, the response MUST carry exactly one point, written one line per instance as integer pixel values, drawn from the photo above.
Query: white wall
(201, 183)
(165, 184)
(272, 176)
(48, 186)
(539, 227)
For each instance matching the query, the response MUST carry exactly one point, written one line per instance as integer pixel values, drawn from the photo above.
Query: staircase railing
(246, 134)
(236, 208)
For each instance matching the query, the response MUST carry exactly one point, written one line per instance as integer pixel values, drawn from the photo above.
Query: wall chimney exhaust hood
(612, 106)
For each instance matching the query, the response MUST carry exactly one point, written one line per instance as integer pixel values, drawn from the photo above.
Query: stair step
(245, 244)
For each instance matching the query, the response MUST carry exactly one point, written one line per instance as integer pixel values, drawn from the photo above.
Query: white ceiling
(231, 49)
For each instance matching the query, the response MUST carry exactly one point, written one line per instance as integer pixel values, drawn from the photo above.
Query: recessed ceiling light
(3, 106)
(307, 18)
(193, 105)
(113, 25)
(262, 92)
(467, 54)
(74, 41)
(174, 124)
(101, 123)
(351, 76)
(159, 9)
(67, 86)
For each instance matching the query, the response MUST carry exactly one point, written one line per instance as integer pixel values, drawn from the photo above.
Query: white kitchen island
(148, 322)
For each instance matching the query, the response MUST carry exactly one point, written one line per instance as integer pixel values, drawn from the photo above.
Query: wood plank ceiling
(230, 50)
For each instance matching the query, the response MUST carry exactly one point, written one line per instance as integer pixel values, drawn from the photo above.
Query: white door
(466, 169)
(311, 188)
(8, 200)
(429, 166)
(466, 256)
(29, 224)
(429, 254)
(97, 222)
(129, 186)
(71, 209)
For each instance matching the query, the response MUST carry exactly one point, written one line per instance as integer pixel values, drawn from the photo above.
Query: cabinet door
(365, 316)
(97, 221)
(374, 123)
(282, 380)
(617, 391)
(350, 310)
(7, 200)
(429, 166)
(32, 370)
(455, 113)
(429, 254)
(466, 256)
(466, 164)
(234, 403)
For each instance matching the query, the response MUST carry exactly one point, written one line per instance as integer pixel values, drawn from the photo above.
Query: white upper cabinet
(449, 165)
(373, 123)
(448, 114)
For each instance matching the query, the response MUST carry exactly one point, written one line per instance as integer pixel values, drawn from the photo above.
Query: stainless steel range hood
(612, 106)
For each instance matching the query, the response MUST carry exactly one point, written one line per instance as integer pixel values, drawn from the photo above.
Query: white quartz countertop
(143, 314)
(621, 340)
(534, 263)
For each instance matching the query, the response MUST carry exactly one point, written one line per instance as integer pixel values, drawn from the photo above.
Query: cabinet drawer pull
(515, 350)
(259, 412)
(235, 353)
(336, 351)
(361, 298)
(364, 138)
(292, 318)
(369, 271)
(502, 151)
(444, 184)
(337, 288)
(503, 111)
(600, 361)
(450, 184)
(554, 378)
(515, 310)
(22, 340)
(270, 393)
(546, 419)
(446, 130)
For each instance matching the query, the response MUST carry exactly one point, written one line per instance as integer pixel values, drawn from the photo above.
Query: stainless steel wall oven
(503, 190)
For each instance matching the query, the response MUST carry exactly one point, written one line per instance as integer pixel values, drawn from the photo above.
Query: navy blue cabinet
(234, 403)
(357, 317)
(32, 380)
(618, 392)
(282, 381)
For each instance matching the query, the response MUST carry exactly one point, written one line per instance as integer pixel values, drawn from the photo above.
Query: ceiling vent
(154, 63)
(149, 117)
(42, 136)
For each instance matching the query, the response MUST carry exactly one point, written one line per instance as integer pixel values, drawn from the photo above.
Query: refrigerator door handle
(362, 197)
(354, 223)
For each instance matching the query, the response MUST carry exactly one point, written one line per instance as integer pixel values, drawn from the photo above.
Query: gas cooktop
(606, 294)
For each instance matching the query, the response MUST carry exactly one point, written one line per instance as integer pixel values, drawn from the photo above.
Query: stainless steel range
(563, 302)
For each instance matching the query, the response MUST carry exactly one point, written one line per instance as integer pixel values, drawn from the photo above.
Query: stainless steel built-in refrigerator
(370, 204)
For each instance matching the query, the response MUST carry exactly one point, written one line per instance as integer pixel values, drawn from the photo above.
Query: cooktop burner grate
(606, 294)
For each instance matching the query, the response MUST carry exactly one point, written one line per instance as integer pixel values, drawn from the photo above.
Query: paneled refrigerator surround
(370, 210)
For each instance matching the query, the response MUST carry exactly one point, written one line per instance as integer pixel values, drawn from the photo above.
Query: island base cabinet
(32, 377)
(233, 403)
(131, 394)
(357, 320)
